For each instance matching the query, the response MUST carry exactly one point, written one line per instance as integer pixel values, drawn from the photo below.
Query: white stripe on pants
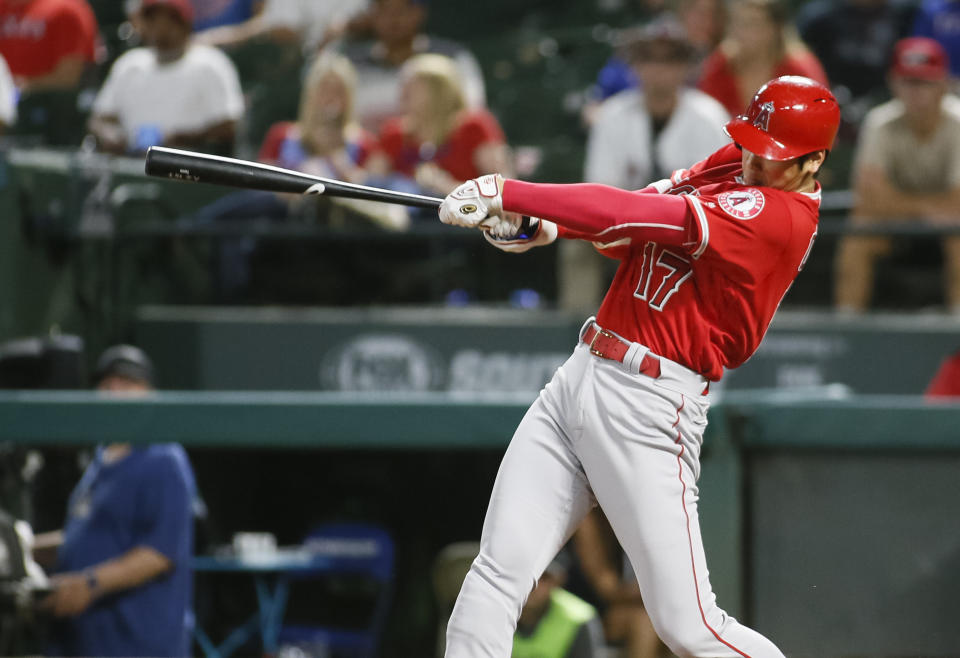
(600, 434)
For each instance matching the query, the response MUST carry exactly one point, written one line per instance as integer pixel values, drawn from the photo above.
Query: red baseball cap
(183, 8)
(919, 57)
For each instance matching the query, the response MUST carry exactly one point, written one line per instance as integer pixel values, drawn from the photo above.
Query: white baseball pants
(600, 433)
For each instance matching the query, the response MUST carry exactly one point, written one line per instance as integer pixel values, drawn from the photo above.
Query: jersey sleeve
(728, 154)
(607, 215)
(165, 517)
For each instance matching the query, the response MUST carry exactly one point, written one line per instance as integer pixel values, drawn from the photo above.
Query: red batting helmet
(790, 116)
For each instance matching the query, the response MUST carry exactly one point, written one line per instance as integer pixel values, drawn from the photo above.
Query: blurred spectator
(702, 20)
(610, 576)
(940, 20)
(760, 45)
(8, 97)
(311, 23)
(643, 135)
(946, 382)
(48, 44)
(853, 40)
(553, 622)
(123, 582)
(325, 140)
(639, 136)
(437, 140)
(170, 92)
(907, 166)
(396, 26)
(216, 13)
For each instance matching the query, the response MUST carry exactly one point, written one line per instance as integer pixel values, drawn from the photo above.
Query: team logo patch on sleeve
(742, 204)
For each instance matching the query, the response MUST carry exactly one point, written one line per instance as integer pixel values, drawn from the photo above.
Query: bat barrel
(194, 167)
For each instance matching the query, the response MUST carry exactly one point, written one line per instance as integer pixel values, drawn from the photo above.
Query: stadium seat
(360, 561)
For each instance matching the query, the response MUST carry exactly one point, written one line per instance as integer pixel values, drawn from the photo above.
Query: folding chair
(350, 550)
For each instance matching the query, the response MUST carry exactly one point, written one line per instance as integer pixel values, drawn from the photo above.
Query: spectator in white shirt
(641, 135)
(8, 97)
(644, 134)
(170, 92)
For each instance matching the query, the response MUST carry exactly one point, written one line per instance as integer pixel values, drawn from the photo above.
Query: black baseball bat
(193, 167)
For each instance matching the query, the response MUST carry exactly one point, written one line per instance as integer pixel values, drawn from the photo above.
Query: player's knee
(686, 634)
(688, 641)
(500, 581)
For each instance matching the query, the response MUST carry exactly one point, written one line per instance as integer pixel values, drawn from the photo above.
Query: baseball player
(705, 258)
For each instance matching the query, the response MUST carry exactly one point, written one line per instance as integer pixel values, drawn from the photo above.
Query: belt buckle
(599, 330)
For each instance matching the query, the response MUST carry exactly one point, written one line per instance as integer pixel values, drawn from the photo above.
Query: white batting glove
(473, 202)
(519, 235)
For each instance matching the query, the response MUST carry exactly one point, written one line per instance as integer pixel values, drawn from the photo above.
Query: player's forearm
(135, 567)
(603, 214)
(878, 198)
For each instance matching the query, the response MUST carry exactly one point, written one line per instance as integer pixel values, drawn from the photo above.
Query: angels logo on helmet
(742, 204)
(763, 117)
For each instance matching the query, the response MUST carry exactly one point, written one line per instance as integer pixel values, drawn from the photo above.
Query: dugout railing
(829, 519)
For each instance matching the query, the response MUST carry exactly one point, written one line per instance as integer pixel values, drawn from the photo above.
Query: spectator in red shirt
(946, 383)
(761, 44)
(47, 43)
(324, 140)
(438, 140)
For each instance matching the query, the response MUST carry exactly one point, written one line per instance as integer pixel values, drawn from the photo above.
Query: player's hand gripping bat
(193, 167)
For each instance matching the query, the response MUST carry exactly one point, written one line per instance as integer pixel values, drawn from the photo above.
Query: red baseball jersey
(474, 128)
(702, 273)
(35, 36)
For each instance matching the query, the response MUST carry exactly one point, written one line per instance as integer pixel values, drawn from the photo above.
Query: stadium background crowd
(415, 96)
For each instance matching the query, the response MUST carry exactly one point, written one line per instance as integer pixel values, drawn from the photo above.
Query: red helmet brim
(758, 142)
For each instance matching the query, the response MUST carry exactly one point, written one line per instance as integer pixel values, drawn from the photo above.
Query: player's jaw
(795, 175)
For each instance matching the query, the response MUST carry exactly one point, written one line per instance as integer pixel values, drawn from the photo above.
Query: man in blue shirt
(216, 13)
(123, 585)
(940, 20)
